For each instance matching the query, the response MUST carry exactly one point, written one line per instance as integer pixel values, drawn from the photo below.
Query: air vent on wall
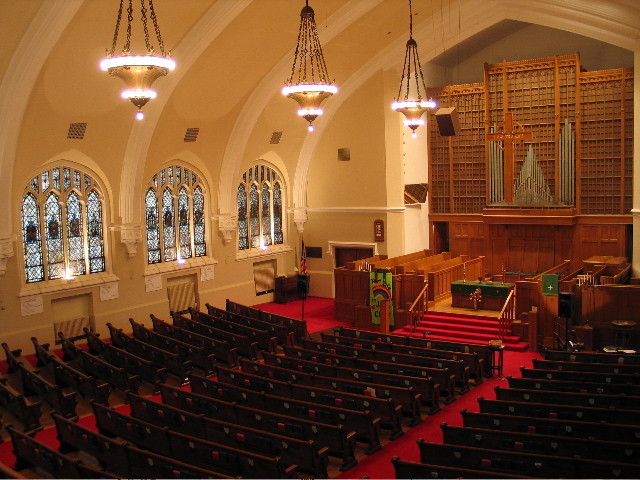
(344, 154)
(275, 138)
(191, 135)
(415, 193)
(76, 131)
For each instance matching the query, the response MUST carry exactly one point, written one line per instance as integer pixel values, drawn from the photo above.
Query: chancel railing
(507, 314)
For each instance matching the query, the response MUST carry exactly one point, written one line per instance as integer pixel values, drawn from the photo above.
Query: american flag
(303, 260)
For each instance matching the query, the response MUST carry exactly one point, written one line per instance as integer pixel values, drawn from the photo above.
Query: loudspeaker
(448, 123)
(303, 284)
(566, 305)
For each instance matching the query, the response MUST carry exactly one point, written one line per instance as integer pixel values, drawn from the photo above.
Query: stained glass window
(62, 233)
(261, 220)
(177, 230)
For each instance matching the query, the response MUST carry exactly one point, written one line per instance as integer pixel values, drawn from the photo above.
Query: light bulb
(139, 115)
(414, 134)
(310, 128)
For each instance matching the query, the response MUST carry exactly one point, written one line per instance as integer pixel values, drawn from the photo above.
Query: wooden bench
(389, 413)
(87, 385)
(281, 332)
(614, 369)
(576, 387)
(574, 376)
(566, 412)
(309, 454)
(298, 327)
(440, 376)
(12, 358)
(483, 351)
(263, 338)
(568, 398)
(470, 360)
(42, 353)
(403, 396)
(409, 469)
(32, 453)
(110, 452)
(243, 345)
(426, 387)
(220, 349)
(185, 351)
(547, 426)
(455, 367)
(161, 358)
(367, 427)
(592, 357)
(115, 376)
(34, 384)
(86, 470)
(27, 412)
(541, 444)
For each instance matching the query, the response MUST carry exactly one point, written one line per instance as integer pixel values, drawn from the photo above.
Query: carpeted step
(512, 344)
(489, 328)
(461, 335)
(462, 320)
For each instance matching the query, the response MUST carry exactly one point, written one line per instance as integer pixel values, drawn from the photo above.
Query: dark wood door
(345, 255)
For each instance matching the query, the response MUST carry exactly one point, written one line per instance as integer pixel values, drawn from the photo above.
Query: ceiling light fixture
(312, 85)
(412, 104)
(138, 71)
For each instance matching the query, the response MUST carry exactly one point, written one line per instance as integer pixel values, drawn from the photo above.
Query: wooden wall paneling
(498, 247)
(547, 312)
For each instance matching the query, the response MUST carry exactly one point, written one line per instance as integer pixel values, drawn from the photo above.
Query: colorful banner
(550, 283)
(381, 282)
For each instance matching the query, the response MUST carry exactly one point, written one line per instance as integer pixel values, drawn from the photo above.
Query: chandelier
(412, 104)
(138, 71)
(309, 84)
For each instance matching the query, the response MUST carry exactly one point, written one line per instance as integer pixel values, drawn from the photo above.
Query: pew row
(405, 397)
(574, 376)
(34, 384)
(568, 398)
(298, 327)
(606, 368)
(576, 386)
(409, 469)
(27, 412)
(592, 357)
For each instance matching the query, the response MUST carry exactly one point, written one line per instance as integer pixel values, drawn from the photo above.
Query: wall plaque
(378, 230)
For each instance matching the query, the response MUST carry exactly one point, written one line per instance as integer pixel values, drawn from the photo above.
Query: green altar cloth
(500, 290)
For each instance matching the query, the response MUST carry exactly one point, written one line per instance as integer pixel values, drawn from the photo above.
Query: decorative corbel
(227, 224)
(131, 235)
(300, 218)
(6, 252)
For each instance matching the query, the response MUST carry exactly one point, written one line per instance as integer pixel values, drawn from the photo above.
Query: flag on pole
(303, 260)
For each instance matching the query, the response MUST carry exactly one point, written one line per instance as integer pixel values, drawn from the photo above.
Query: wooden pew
(574, 376)
(440, 376)
(309, 454)
(32, 453)
(471, 360)
(389, 413)
(111, 422)
(243, 345)
(12, 358)
(568, 412)
(120, 358)
(483, 351)
(220, 349)
(42, 353)
(576, 387)
(298, 327)
(34, 384)
(568, 398)
(27, 412)
(114, 376)
(547, 426)
(498, 461)
(262, 337)
(89, 471)
(280, 332)
(185, 429)
(367, 427)
(145, 464)
(87, 385)
(185, 351)
(6, 472)
(409, 469)
(426, 387)
(541, 444)
(405, 397)
(614, 369)
(455, 367)
(228, 460)
(161, 358)
(592, 357)
(110, 452)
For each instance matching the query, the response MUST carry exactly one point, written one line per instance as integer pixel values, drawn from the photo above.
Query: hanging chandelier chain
(126, 50)
(157, 28)
(143, 17)
(308, 57)
(112, 51)
(410, 21)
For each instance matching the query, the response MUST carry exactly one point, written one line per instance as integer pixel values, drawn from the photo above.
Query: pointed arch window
(175, 215)
(62, 225)
(260, 212)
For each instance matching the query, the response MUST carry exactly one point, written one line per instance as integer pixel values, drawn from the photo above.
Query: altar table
(493, 294)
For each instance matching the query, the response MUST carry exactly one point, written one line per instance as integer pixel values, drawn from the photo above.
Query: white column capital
(131, 236)
(300, 217)
(6, 251)
(227, 225)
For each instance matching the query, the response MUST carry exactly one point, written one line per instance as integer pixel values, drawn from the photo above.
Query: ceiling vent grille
(192, 134)
(344, 154)
(415, 193)
(275, 138)
(76, 131)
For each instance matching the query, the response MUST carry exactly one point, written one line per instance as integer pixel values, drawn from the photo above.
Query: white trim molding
(65, 285)
(253, 253)
(171, 267)
(331, 247)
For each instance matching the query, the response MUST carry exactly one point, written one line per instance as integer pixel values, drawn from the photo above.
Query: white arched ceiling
(592, 19)
(28, 59)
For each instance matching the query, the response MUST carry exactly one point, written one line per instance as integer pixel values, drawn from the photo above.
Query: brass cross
(513, 135)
